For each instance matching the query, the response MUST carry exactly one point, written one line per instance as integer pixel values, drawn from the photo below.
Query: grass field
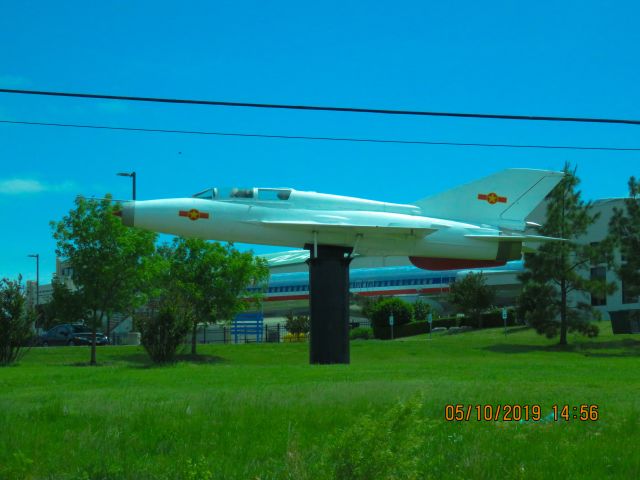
(261, 412)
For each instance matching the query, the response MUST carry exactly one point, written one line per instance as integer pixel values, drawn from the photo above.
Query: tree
(380, 311)
(108, 259)
(209, 281)
(66, 306)
(472, 296)
(421, 310)
(625, 233)
(559, 268)
(15, 321)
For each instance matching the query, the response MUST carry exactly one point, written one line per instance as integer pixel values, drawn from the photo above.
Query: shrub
(420, 311)
(15, 322)
(414, 328)
(383, 308)
(407, 330)
(162, 333)
(297, 325)
(446, 322)
(494, 319)
(366, 304)
(361, 332)
(294, 337)
(491, 319)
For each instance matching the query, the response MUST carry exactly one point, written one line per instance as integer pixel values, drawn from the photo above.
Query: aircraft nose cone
(127, 213)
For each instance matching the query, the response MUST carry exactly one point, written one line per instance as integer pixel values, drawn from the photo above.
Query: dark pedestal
(329, 304)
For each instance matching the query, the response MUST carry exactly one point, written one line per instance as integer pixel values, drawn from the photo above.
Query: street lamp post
(133, 180)
(37, 257)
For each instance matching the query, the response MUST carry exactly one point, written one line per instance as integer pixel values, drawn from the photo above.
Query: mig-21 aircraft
(480, 224)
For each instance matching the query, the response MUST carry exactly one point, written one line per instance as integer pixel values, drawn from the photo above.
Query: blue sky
(537, 58)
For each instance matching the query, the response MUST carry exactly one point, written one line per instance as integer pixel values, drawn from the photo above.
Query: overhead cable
(323, 108)
(331, 139)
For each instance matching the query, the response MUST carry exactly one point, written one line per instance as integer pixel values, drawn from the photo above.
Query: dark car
(71, 334)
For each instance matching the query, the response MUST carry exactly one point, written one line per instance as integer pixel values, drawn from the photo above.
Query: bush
(297, 325)
(162, 333)
(380, 311)
(16, 333)
(407, 330)
(361, 332)
(420, 311)
(491, 319)
(494, 319)
(294, 337)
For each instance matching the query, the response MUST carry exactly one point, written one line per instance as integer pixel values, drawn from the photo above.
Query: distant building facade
(619, 300)
(44, 293)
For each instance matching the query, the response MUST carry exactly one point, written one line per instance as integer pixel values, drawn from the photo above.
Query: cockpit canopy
(260, 194)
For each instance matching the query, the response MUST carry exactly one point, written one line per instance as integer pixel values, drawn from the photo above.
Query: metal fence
(231, 334)
(272, 333)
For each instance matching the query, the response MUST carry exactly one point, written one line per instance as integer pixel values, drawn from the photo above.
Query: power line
(323, 108)
(331, 139)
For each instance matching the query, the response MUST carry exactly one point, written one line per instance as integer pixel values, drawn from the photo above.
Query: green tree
(66, 306)
(472, 296)
(15, 321)
(380, 311)
(209, 281)
(420, 311)
(109, 260)
(625, 234)
(561, 267)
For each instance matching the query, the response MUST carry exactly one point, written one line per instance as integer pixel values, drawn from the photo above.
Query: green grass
(260, 411)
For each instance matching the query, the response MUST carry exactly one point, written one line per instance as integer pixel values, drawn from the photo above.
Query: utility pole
(37, 257)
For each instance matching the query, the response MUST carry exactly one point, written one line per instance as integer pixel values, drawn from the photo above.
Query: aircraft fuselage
(236, 221)
(474, 225)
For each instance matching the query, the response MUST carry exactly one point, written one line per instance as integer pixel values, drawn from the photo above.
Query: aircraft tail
(504, 199)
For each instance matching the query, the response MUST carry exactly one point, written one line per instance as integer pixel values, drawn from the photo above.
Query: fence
(273, 333)
(222, 334)
(247, 325)
(240, 334)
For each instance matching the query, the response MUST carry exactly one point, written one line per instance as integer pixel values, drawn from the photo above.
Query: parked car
(71, 334)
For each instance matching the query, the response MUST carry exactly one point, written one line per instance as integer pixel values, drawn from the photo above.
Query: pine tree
(561, 268)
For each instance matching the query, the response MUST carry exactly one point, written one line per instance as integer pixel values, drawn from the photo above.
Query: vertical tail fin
(504, 199)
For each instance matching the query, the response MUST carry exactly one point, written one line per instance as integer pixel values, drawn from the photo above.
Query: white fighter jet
(480, 224)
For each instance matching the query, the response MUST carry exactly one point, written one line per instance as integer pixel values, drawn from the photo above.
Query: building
(620, 299)
(44, 292)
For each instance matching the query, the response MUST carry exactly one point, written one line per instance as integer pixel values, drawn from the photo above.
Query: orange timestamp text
(458, 412)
